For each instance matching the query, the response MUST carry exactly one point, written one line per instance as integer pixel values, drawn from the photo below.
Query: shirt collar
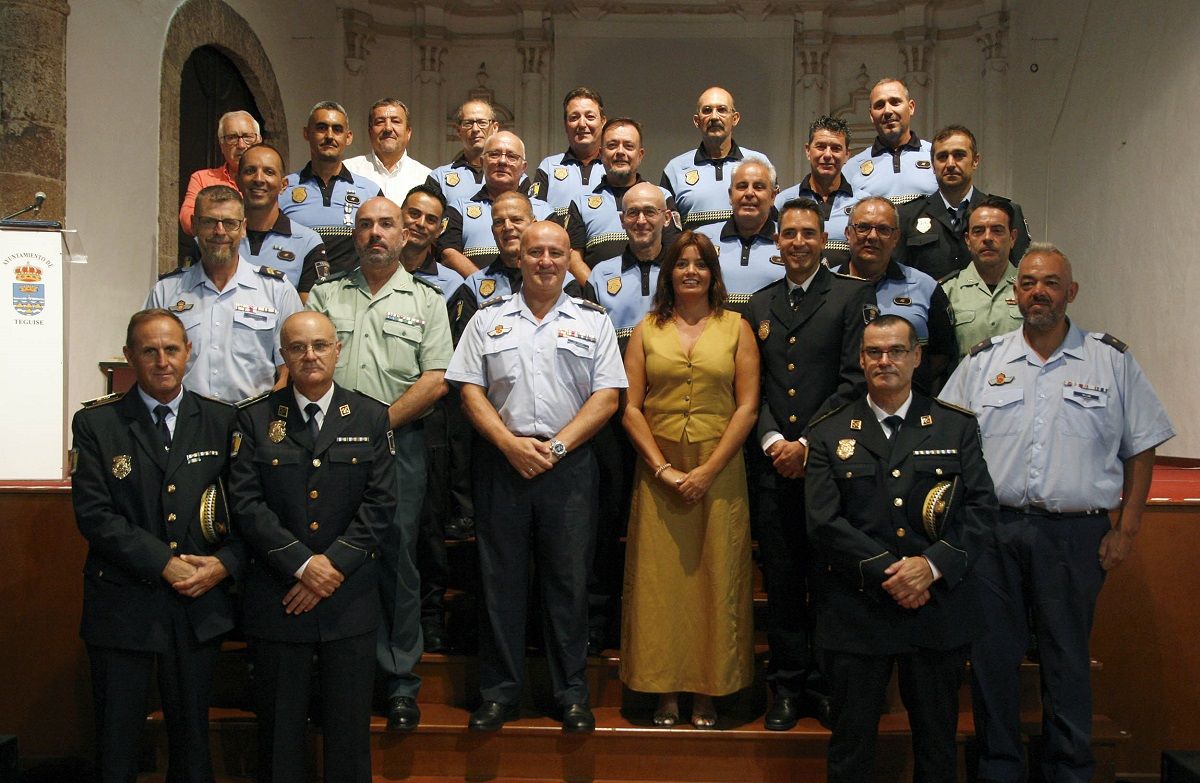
(766, 233)
(629, 260)
(429, 266)
(374, 160)
(460, 162)
(564, 306)
(323, 403)
(283, 225)
(844, 188)
(243, 276)
(881, 414)
(152, 403)
(953, 207)
(606, 185)
(913, 143)
(307, 173)
(735, 153)
(570, 157)
(806, 284)
(1020, 350)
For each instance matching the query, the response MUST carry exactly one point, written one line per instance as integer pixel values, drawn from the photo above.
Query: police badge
(487, 288)
(452, 179)
(866, 167)
(298, 195)
(560, 173)
(692, 177)
(122, 466)
(924, 224)
(474, 211)
(594, 202)
(845, 448)
(764, 330)
(614, 286)
(277, 430)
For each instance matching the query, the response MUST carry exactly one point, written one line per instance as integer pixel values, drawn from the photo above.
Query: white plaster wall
(1102, 163)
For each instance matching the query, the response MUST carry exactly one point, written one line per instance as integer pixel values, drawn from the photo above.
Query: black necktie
(795, 297)
(893, 423)
(958, 215)
(312, 409)
(160, 424)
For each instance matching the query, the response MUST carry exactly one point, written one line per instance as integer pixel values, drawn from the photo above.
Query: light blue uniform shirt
(837, 249)
(234, 333)
(700, 184)
(1055, 432)
(898, 175)
(745, 266)
(538, 375)
(624, 286)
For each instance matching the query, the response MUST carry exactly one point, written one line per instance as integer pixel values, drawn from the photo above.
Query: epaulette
(981, 346)
(847, 275)
(105, 400)
(1111, 341)
(589, 305)
(495, 300)
(949, 277)
(246, 403)
(331, 277)
(371, 398)
(954, 407)
(221, 402)
(429, 283)
(814, 421)
(179, 270)
(269, 271)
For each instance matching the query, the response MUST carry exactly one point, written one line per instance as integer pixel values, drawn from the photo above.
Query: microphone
(39, 198)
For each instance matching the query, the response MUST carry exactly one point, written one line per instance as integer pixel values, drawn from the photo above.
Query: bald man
(897, 165)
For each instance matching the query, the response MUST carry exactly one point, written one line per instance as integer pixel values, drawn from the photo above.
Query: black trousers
(550, 520)
(120, 685)
(615, 461)
(432, 563)
(283, 678)
(1049, 566)
(929, 683)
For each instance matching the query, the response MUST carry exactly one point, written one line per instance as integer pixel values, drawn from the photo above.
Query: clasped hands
(692, 485)
(529, 456)
(908, 582)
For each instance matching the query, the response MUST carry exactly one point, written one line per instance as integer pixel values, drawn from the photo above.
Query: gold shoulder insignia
(954, 407)
(105, 400)
(267, 271)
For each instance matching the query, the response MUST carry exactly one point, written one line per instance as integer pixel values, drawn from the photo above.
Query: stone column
(993, 132)
(810, 93)
(916, 49)
(429, 107)
(357, 36)
(533, 99)
(33, 105)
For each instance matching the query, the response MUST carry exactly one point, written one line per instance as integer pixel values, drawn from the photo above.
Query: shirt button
(687, 398)
(791, 392)
(849, 474)
(173, 546)
(895, 472)
(170, 489)
(938, 471)
(792, 419)
(791, 366)
(171, 517)
(898, 502)
(313, 526)
(792, 340)
(354, 460)
(314, 494)
(274, 462)
(900, 532)
(316, 463)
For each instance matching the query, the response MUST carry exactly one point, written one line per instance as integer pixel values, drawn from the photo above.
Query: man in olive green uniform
(396, 347)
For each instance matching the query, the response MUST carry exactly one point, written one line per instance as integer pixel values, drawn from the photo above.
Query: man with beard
(236, 132)
(231, 310)
(394, 330)
(1069, 425)
(560, 178)
(388, 162)
(462, 177)
(896, 166)
(325, 195)
(271, 238)
(828, 149)
(697, 178)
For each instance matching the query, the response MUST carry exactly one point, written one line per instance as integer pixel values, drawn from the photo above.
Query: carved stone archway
(207, 23)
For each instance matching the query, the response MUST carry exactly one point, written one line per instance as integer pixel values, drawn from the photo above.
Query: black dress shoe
(434, 636)
(596, 646)
(403, 714)
(491, 715)
(459, 529)
(783, 715)
(578, 717)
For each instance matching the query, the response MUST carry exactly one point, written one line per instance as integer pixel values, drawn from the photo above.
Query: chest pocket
(1000, 409)
(575, 360)
(937, 464)
(502, 362)
(585, 349)
(1014, 313)
(273, 456)
(345, 330)
(962, 317)
(1084, 413)
(351, 453)
(920, 240)
(255, 320)
(403, 343)
(853, 471)
(191, 318)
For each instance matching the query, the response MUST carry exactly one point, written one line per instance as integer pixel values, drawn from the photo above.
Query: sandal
(703, 720)
(665, 718)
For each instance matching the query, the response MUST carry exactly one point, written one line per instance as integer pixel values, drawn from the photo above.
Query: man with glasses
(900, 506)
(459, 179)
(466, 244)
(237, 131)
(396, 336)
(232, 311)
(906, 292)
(933, 226)
(388, 161)
(698, 178)
(896, 166)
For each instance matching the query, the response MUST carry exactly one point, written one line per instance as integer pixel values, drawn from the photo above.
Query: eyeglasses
(496, 155)
(209, 223)
(864, 230)
(234, 138)
(650, 213)
(468, 124)
(320, 348)
(897, 352)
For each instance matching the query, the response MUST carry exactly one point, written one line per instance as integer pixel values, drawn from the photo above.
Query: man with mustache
(933, 227)
(896, 166)
(236, 132)
(1069, 425)
(388, 162)
(562, 177)
(325, 195)
(828, 149)
(395, 333)
(271, 238)
(232, 311)
(459, 179)
(698, 179)
(901, 290)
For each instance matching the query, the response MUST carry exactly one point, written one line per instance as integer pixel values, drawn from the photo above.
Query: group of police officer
(302, 424)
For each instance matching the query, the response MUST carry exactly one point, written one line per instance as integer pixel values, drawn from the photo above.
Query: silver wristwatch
(558, 448)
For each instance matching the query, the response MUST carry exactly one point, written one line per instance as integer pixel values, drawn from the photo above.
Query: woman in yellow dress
(693, 396)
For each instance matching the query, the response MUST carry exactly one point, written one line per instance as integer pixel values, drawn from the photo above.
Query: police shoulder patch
(268, 271)
(246, 403)
(105, 400)
(588, 305)
(1111, 341)
(953, 407)
(428, 282)
(981, 346)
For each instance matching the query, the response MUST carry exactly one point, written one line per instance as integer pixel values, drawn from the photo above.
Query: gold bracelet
(661, 468)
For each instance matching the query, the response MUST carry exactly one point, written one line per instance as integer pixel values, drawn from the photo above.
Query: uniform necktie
(160, 424)
(959, 216)
(312, 409)
(795, 297)
(893, 423)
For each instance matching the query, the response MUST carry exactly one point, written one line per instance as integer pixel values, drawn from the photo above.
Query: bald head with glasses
(872, 234)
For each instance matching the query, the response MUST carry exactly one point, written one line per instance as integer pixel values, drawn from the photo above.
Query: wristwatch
(558, 448)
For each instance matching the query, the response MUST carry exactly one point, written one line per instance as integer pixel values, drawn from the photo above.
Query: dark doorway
(211, 85)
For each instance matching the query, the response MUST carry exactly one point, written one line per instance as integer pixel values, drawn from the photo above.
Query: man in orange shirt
(237, 131)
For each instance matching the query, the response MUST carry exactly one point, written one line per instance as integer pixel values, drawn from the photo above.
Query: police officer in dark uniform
(809, 327)
(312, 487)
(932, 228)
(899, 506)
(155, 595)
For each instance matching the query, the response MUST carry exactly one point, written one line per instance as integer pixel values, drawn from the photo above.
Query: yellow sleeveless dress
(687, 623)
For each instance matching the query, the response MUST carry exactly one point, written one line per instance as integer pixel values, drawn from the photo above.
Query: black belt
(1037, 511)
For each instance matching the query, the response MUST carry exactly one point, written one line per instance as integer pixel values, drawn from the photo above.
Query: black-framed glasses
(234, 138)
(864, 230)
(897, 352)
(209, 223)
(466, 124)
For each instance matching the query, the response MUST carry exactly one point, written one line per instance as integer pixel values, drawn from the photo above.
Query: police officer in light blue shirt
(562, 177)
(325, 195)
(897, 165)
(699, 179)
(1070, 425)
(462, 177)
(827, 150)
(539, 373)
(233, 312)
(746, 242)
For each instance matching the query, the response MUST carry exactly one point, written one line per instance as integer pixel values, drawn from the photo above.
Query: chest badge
(594, 202)
(452, 179)
(499, 330)
(845, 448)
(856, 424)
(122, 466)
(487, 288)
(866, 167)
(692, 177)
(277, 430)
(286, 255)
(299, 195)
(560, 173)
(352, 198)
(924, 164)
(924, 224)
(281, 411)
(902, 300)
(1001, 379)
(474, 211)
(1012, 300)
(182, 306)
(344, 410)
(614, 286)
(764, 330)
(926, 421)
